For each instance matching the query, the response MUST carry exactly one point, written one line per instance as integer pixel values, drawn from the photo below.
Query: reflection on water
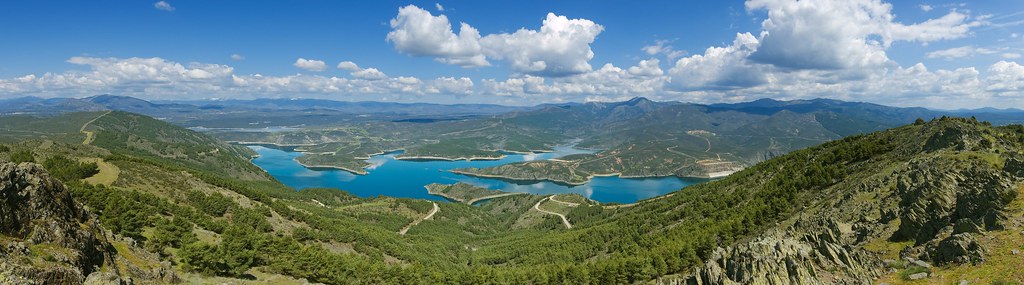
(400, 178)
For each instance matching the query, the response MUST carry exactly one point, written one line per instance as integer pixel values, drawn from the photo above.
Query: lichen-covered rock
(957, 249)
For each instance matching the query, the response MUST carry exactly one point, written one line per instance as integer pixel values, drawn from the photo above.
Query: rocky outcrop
(815, 253)
(1014, 166)
(45, 236)
(956, 137)
(960, 248)
(934, 199)
(947, 192)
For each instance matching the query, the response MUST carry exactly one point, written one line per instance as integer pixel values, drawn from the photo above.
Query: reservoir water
(404, 178)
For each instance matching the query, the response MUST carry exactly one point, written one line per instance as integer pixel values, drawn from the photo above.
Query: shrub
(170, 233)
(23, 155)
(69, 170)
(215, 204)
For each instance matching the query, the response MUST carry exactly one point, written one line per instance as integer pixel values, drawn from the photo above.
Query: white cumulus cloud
(720, 67)
(157, 78)
(369, 74)
(451, 85)
(361, 73)
(416, 32)
(1006, 78)
(348, 65)
(609, 81)
(647, 68)
(561, 46)
(1001, 83)
(310, 64)
(841, 34)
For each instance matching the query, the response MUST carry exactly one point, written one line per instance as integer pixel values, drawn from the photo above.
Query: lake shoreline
(588, 180)
(389, 176)
(442, 158)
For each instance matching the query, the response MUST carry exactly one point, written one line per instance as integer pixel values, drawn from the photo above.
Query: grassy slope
(145, 137)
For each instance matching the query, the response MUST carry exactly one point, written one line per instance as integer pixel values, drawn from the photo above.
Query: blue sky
(908, 53)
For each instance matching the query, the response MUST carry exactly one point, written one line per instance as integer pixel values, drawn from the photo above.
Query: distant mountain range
(182, 110)
(172, 110)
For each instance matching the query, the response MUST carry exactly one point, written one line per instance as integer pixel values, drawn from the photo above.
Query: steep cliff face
(926, 203)
(45, 236)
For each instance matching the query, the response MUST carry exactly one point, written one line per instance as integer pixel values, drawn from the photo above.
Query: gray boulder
(957, 249)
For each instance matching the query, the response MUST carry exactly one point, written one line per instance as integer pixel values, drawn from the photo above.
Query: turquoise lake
(404, 178)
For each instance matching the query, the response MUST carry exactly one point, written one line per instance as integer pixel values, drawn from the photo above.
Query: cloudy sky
(937, 54)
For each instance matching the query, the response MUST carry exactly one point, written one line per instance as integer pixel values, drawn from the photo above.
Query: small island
(331, 161)
(466, 193)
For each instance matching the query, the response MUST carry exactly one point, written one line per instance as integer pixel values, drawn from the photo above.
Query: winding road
(478, 199)
(570, 204)
(89, 135)
(416, 222)
(637, 202)
(565, 221)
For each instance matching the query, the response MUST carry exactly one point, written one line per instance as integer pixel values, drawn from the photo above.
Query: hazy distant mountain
(355, 107)
(857, 117)
(35, 105)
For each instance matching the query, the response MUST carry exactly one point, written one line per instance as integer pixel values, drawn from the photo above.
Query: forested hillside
(179, 206)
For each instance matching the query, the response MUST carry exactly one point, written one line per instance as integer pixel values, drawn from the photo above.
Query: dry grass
(107, 175)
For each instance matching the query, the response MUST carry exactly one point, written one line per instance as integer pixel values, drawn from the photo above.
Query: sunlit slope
(142, 136)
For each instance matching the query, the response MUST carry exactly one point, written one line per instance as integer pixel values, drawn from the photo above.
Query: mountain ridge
(17, 104)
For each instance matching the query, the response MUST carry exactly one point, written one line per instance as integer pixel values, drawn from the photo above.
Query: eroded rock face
(934, 198)
(41, 223)
(813, 253)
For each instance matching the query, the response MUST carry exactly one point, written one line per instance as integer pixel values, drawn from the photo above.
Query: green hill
(869, 207)
(142, 136)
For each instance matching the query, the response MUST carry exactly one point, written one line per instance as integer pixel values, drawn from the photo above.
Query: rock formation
(937, 200)
(45, 236)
